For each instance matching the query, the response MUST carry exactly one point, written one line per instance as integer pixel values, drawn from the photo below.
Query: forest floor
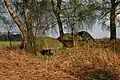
(98, 62)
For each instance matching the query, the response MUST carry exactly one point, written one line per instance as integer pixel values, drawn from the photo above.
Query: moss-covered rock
(66, 39)
(82, 37)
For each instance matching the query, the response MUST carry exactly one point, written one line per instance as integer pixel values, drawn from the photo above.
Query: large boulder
(81, 37)
(66, 36)
(86, 37)
(47, 43)
(67, 39)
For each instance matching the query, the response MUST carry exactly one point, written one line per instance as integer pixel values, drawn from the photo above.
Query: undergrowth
(87, 62)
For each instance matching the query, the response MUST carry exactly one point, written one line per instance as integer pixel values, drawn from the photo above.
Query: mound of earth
(47, 43)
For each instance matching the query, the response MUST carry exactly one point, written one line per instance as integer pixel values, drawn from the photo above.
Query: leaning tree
(26, 26)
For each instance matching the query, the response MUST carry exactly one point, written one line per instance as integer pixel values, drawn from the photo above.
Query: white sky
(97, 32)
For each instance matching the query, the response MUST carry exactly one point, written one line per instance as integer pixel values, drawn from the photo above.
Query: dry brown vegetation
(84, 63)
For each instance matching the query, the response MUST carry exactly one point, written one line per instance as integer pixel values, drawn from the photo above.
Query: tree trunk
(58, 17)
(30, 44)
(26, 29)
(112, 21)
(9, 38)
(60, 25)
(16, 19)
(56, 12)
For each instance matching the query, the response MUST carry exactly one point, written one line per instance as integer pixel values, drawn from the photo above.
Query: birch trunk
(25, 29)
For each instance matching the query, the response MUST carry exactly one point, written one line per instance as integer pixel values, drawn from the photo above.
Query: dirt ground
(71, 65)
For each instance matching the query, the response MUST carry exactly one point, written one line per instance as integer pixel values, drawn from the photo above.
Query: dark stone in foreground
(101, 74)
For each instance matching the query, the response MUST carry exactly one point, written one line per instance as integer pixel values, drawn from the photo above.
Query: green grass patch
(45, 57)
(7, 43)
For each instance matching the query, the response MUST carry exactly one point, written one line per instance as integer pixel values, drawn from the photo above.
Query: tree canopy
(36, 16)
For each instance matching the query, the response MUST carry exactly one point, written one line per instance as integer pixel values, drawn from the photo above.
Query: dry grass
(78, 64)
(72, 65)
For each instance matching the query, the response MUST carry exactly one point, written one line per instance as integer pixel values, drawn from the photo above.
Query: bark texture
(56, 11)
(112, 21)
(28, 42)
